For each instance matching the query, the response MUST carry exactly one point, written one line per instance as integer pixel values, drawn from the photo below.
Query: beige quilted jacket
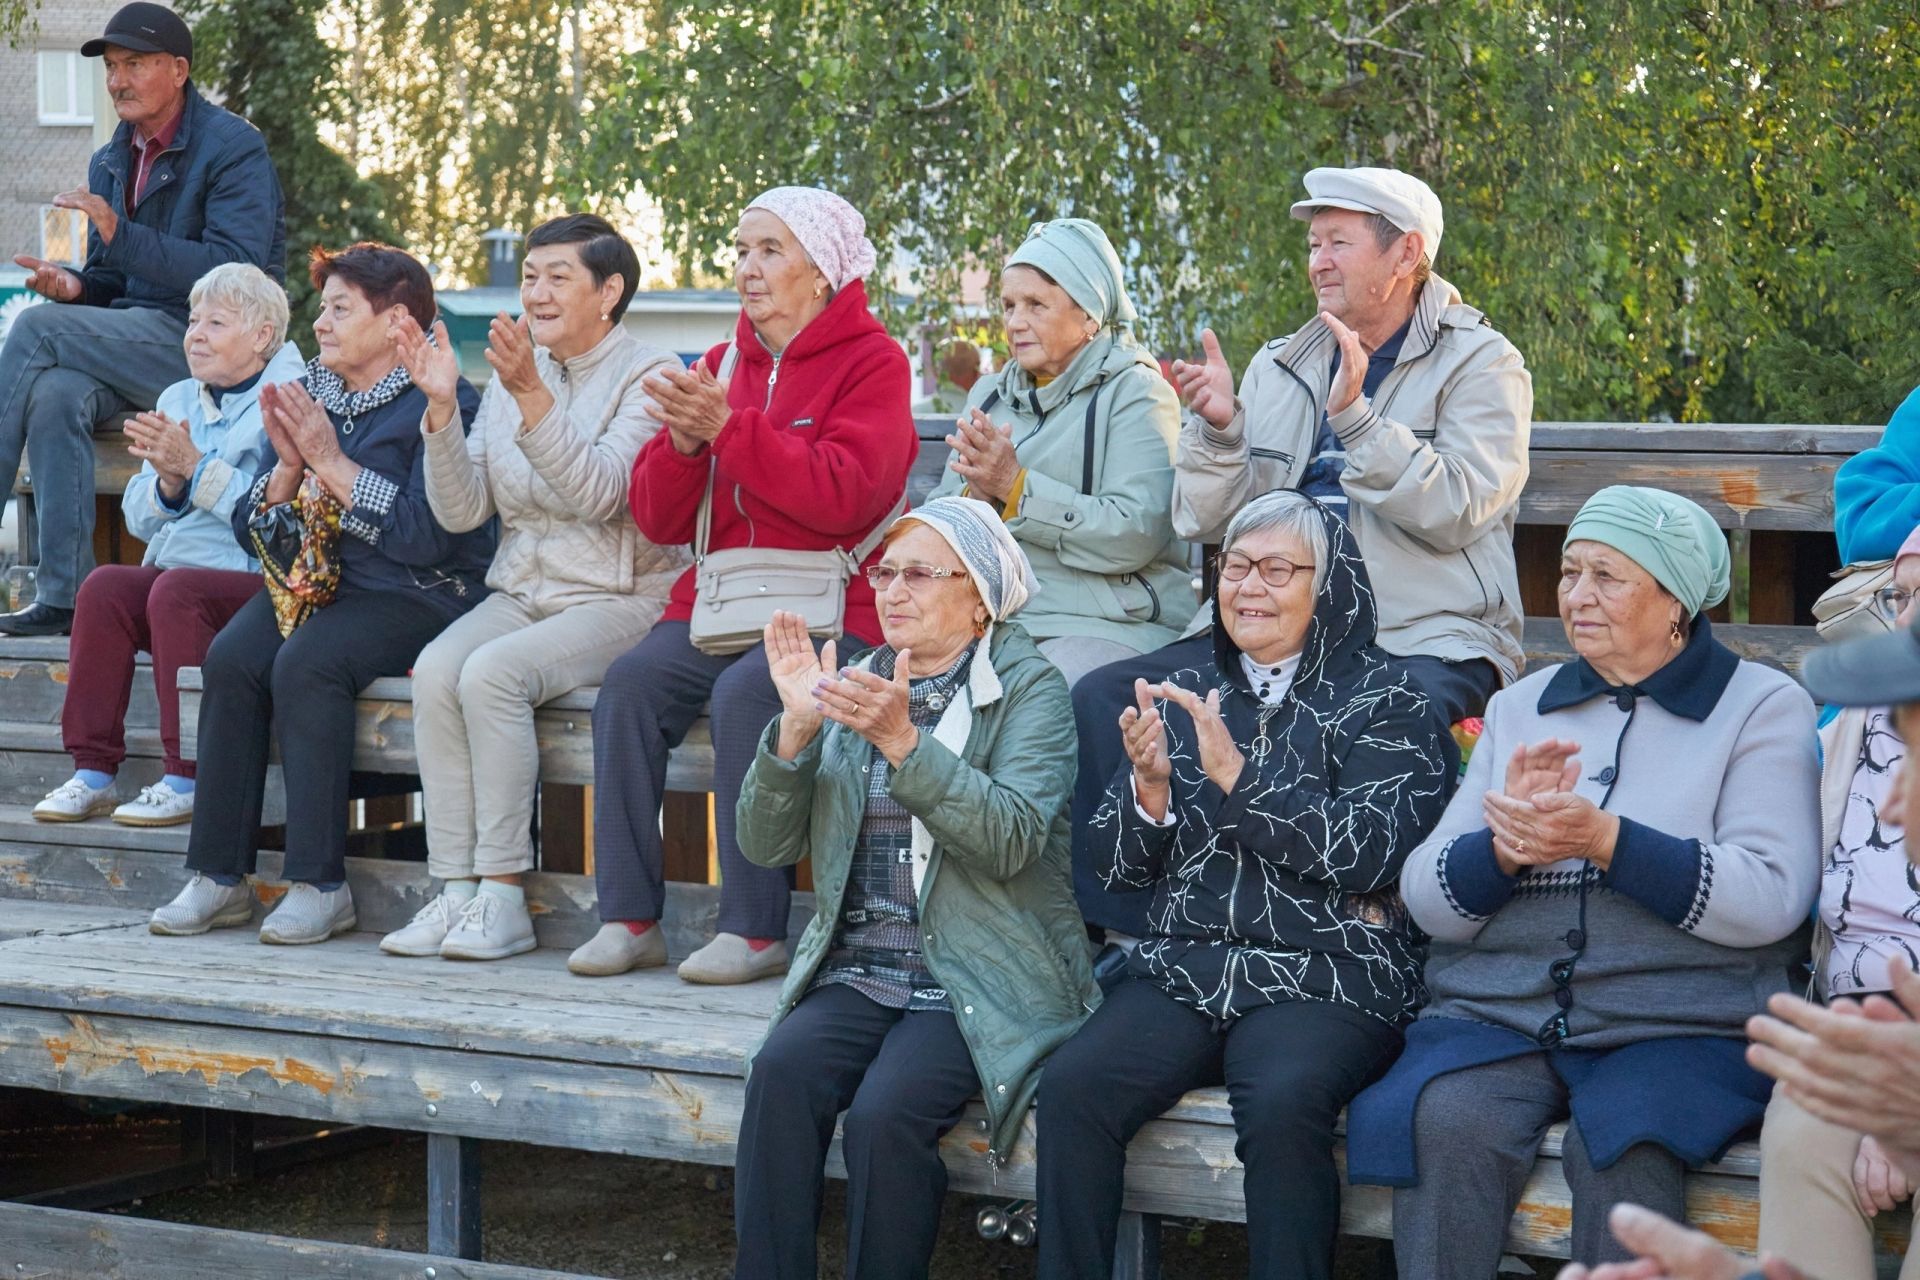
(560, 486)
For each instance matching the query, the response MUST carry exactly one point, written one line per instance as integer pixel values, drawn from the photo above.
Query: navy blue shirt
(1322, 478)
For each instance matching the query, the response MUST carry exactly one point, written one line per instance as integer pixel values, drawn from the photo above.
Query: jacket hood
(846, 319)
(1344, 618)
(1107, 355)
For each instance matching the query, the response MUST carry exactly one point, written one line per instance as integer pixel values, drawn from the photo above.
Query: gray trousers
(649, 698)
(1475, 1137)
(474, 691)
(63, 368)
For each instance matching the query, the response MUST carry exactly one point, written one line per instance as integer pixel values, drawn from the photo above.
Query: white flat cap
(1400, 198)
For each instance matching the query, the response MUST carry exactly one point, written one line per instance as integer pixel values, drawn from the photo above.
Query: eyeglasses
(1889, 601)
(881, 576)
(1275, 571)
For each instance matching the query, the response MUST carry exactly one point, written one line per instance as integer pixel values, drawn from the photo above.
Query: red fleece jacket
(819, 454)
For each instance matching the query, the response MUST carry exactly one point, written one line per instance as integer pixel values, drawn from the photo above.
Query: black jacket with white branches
(1287, 888)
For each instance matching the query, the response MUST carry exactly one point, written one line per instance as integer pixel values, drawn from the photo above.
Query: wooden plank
(33, 689)
(453, 1196)
(26, 776)
(137, 869)
(60, 1244)
(113, 466)
(384, 741)
(1747, 491)
(33, 919)
(1712, 437)
(1783, 647)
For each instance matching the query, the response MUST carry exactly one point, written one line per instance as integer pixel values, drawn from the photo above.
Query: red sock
(760, 944)
(637, 927)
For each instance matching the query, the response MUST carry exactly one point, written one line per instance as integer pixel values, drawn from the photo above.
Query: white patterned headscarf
(977, 534)
(831, 231)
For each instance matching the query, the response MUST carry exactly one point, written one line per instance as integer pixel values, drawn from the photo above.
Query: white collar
(1269, 683)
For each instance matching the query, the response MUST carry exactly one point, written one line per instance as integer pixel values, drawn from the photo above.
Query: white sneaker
(75, 801)
(422, 935)
(491, 927)
(156, 806)
(204, 904)
(308, 915)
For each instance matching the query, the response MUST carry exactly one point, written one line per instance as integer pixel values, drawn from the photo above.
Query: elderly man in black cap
(182, 187)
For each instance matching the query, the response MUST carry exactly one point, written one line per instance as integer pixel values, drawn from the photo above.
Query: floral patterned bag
(298, 545)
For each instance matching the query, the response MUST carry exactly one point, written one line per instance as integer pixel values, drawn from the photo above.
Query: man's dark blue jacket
(211, 197)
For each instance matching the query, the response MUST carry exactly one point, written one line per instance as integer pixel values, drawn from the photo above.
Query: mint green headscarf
(1081, 260)
(1669, 536)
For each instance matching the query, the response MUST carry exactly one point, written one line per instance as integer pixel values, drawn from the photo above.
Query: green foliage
(1709, 211)
(265, 60)
(19, 20)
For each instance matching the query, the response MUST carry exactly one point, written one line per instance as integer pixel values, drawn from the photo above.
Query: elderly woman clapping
(929, 784)
(796, 437)
(1613, 891)
(1267, 805)
(198, 451)
(574, 583)
(360, 577)
(1073, 442)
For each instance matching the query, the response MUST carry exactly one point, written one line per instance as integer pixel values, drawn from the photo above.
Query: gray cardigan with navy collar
(1712, 767)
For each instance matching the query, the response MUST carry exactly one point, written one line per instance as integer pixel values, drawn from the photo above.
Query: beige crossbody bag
(736, 591)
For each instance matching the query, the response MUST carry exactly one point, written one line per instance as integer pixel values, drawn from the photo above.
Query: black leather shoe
(37, 620)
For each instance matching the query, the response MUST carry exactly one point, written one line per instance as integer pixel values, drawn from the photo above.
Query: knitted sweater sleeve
(1752, 879)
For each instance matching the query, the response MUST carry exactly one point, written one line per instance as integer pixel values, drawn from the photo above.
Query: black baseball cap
(144, 28)
(1875, 672)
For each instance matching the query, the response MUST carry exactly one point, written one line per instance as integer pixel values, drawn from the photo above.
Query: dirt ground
(626, 1218)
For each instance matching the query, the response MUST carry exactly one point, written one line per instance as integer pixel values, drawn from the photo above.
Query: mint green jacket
(988, 788)
(1107, 561)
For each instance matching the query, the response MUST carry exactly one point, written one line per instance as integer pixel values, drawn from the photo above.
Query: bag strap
(703, 523)
(1086, 448)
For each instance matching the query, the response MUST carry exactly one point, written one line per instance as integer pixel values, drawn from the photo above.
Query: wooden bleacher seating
(645, 1065)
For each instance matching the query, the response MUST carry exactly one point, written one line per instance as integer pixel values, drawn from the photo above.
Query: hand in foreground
(105, 221)
(1856, 1065)
(1669, 1251)
(874, 708)
(1206, 385)
(1144, 733)
(692, 403)
(1352, 376)
(434, 369)
(1879, 1185)
(510, 352)
(796, 669)
(1534, 770)
(167, 444)
(50, 279)
(984, 456)
(1219, 757)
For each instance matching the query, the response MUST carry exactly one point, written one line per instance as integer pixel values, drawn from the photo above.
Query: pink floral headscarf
(831, 231)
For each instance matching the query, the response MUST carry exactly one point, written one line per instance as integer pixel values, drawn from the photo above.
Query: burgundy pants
(121, 609)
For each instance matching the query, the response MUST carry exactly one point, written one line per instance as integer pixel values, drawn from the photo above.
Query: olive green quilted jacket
(988, 789)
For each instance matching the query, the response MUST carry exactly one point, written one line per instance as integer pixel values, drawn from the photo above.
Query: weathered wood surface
(1740, 491)
(23, 919)
(138, 869)
(1783, 647)
(58, 1244)
(113, 466)
(384, 740)
(1707, 437)
(642, 1065)
(33, 683)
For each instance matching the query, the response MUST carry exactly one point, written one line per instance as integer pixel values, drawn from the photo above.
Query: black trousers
(1289, 1070)
(903, 1080)
(1459, 689)
(301, 689)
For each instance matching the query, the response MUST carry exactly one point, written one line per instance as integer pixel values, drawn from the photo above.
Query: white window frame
(79, 104)
(76, 230)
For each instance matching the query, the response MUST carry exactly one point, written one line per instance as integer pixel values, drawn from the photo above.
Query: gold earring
(1677, 637)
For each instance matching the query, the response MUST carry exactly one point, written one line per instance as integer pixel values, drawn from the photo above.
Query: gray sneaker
(615, 949)
(204, 904)
(308, 915)
(490, 927)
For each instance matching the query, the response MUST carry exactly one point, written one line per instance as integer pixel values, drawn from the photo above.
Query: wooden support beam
(1136, 1254)
(453, 1196)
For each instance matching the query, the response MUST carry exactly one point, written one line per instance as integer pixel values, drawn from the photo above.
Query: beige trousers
(1807, 1210)
(474, 691)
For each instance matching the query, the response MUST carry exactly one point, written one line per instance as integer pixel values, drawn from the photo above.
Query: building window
(63, 235)
(66, 87)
